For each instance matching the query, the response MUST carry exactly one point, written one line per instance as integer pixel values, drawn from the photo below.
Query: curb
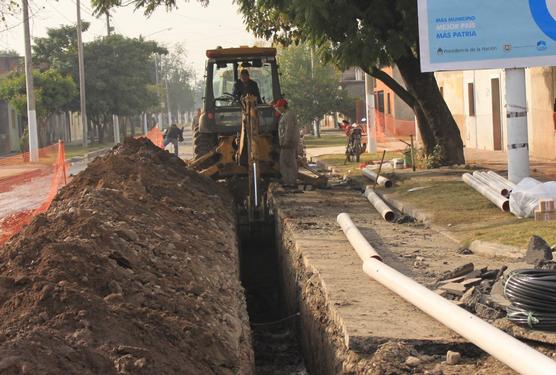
(496, 250)
(89, 156)
(478, 247)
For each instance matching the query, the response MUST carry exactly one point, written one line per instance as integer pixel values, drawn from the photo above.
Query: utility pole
(108, 28)
(31, 111)
(81, 75)
(518, 139)
(370, 107)
(158, 89)
(168, 100)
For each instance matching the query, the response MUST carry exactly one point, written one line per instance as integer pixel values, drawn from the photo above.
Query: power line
(20, 22)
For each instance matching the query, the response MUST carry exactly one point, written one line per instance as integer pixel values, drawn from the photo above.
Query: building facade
(477, 101)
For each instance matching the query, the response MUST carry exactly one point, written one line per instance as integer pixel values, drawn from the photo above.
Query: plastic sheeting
(524, 198)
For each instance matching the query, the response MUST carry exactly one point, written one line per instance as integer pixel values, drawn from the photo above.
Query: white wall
(479, 128)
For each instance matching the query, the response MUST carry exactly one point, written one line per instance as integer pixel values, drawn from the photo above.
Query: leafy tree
(118, 78)
(311, 88)
(8, 8)
(102, 6)
(118, 72)
(180, 77)
(53, 93)
(58, 49)
(370, 34)
(9, 53)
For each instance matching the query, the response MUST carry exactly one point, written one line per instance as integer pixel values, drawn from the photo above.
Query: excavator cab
(222, 112)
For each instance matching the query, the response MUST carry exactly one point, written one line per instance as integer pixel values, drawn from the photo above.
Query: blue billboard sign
(479, 34)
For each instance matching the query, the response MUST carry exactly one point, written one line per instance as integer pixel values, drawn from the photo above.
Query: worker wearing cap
(288, 135)
(246, 86)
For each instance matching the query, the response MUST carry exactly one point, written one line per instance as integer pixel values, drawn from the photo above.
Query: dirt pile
(133, 270)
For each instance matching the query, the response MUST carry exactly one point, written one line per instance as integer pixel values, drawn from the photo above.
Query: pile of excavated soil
(132, 270)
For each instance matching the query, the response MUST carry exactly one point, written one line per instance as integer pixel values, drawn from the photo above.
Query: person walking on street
(288, 135)
(173, 135)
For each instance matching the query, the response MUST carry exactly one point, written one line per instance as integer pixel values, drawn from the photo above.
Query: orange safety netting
(388, 126)
(156, 137)
(17, 170)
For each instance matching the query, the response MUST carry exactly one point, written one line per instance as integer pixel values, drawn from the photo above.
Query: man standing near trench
(288, 135)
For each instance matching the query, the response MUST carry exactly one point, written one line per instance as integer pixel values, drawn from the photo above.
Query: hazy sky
(197, 27)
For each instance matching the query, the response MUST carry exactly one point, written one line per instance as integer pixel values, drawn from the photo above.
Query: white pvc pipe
(502, 202)
(382, 208)
(359, 243)
(371, 175)
(495, 175)
(507, 349)
(492, 183)
(516, 116)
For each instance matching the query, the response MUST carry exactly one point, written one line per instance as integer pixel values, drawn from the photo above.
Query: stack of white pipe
(371, 175)
(486, 191)
(507, 349)
(495, 184)
(506, 182)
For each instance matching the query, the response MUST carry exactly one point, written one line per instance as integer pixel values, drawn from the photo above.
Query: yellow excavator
(236, 139)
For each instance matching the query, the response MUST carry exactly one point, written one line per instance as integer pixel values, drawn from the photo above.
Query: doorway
(496, 113)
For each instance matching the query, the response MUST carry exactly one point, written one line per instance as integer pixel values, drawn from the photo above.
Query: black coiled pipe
(532, 293)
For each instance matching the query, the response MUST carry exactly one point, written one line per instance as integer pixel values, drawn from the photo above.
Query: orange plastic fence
(156, 137)
(51, 162)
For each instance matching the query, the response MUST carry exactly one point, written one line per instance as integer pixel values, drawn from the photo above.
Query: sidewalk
(498, 161)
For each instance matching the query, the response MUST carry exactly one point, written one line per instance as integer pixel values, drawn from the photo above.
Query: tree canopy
(53, 93)
(148, 6)
(118, 76)
(180, 80)
(58, 50)
(312, 88)
(370, 34)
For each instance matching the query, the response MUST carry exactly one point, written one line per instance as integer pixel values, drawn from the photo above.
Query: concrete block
(452, 358)
(537, 250)
(545, 216)
(546, 205)
(454, 288)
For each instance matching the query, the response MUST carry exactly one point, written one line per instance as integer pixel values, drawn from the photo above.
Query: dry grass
(467, 214)
(326, 140)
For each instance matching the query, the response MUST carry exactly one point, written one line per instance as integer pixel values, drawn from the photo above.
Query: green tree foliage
(180, 80)
(102, 6)
(9, 53)
(118, 78)
(53, 93)
(312, 89)
(370, 34)
(7, 8)
(58, 49)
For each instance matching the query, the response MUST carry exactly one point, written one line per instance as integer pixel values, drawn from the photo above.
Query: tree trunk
(424, 88)
(427, 137)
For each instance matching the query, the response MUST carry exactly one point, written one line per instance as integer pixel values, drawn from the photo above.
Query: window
(388, 105)
(471, 99)
(442, 91)
(223, 82)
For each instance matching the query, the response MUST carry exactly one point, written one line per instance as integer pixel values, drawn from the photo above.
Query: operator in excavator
(288, 134)
(246, 86)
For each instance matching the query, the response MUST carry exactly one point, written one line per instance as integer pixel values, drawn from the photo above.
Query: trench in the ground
(274, 330)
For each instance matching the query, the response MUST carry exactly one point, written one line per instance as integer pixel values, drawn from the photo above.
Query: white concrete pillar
(516, 112)
(370, 108)
(116, 123)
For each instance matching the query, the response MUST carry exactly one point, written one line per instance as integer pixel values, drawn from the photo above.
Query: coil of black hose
(532, 293)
